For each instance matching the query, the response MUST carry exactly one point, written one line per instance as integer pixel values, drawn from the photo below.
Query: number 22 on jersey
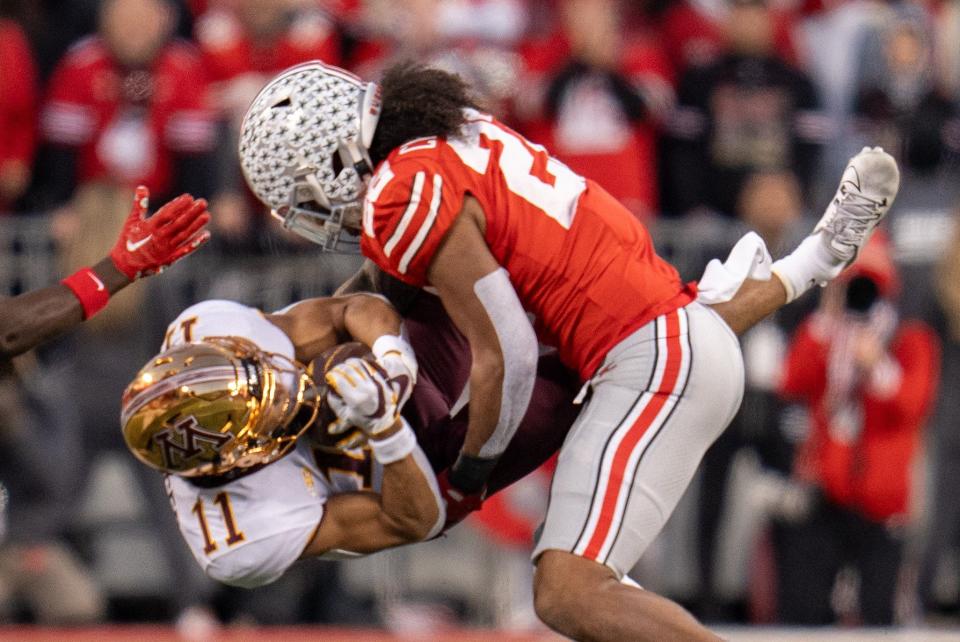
(234, 534)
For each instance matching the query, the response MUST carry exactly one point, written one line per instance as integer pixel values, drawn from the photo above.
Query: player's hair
(418, 101)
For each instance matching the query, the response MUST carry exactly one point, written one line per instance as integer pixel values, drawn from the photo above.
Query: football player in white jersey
(222, 408)
(240, 428)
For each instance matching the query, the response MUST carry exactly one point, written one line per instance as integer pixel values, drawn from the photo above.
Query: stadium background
(704, 117)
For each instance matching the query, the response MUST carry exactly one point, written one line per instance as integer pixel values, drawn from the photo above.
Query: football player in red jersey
(442, 195)
(145, 246)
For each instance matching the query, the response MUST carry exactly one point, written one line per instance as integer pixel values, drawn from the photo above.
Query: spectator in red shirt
(126, 106)
(868, 381)
(474, 39)
(244, 43)
(602, 88)
(18, 108)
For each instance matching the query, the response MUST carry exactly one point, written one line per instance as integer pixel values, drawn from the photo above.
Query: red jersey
(128, 125)
(18, 99)
(580, 262)
(873, 471)
(230, 51)
(589, 129)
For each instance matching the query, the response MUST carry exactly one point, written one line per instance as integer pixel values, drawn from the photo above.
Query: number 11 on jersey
(234, 534)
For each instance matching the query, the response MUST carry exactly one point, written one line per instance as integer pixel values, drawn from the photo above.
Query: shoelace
(860, 212)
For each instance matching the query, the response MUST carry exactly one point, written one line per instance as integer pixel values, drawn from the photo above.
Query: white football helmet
(304, 151)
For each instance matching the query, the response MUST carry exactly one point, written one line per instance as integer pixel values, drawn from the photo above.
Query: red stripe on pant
(627, 445)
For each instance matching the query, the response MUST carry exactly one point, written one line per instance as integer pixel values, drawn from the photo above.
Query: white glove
(397, 358)
(360, 395)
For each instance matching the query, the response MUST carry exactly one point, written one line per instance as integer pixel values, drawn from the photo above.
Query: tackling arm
(370, 278)
(481, 301)
(145, 247)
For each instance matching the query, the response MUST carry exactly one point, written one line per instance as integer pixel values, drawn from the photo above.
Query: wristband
(395, 447)
(470, 474)
(89, 289)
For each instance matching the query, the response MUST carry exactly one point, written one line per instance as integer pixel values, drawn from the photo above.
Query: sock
(808, 265)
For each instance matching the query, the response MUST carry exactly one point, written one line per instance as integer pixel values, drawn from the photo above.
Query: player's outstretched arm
(145, 246)
(408, 508)
(477, 294)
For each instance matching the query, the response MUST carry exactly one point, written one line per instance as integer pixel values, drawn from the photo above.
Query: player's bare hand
(361, 396)
(149, 245)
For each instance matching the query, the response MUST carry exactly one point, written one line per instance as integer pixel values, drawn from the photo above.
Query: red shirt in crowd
(871, 471)
(128, 125)
(18, 100)
(590, 132)
(229, 51)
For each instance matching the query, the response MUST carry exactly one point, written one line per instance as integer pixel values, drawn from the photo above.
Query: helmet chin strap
(357, 156)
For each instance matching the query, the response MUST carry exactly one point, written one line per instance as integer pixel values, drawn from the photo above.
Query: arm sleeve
(68, 119)
(518, 344)
(67, 123)
(411, 205)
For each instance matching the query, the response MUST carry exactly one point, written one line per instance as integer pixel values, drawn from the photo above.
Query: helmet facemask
(212, 407)
(304, 151)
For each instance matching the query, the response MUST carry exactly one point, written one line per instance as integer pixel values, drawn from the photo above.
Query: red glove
(459, 504)
(148, 245)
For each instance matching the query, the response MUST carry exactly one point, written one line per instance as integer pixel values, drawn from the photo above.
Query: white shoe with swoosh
(867, 189)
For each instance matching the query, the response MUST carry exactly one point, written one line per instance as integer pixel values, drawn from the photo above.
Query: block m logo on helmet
(185, 441)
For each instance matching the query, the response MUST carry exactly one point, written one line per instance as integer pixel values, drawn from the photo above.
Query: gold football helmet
(210, 407)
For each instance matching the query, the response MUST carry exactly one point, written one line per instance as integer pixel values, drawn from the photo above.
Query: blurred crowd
(830, 499)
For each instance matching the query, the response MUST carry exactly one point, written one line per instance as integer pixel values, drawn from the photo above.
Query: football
(331, 358)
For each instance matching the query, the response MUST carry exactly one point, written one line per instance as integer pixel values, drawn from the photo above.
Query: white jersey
(248, 531)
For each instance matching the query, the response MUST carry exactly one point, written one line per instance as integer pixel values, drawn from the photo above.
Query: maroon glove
(148, 245)
(459, 504)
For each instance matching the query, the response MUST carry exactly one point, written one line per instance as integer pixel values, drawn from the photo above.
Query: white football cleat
(867, 189)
